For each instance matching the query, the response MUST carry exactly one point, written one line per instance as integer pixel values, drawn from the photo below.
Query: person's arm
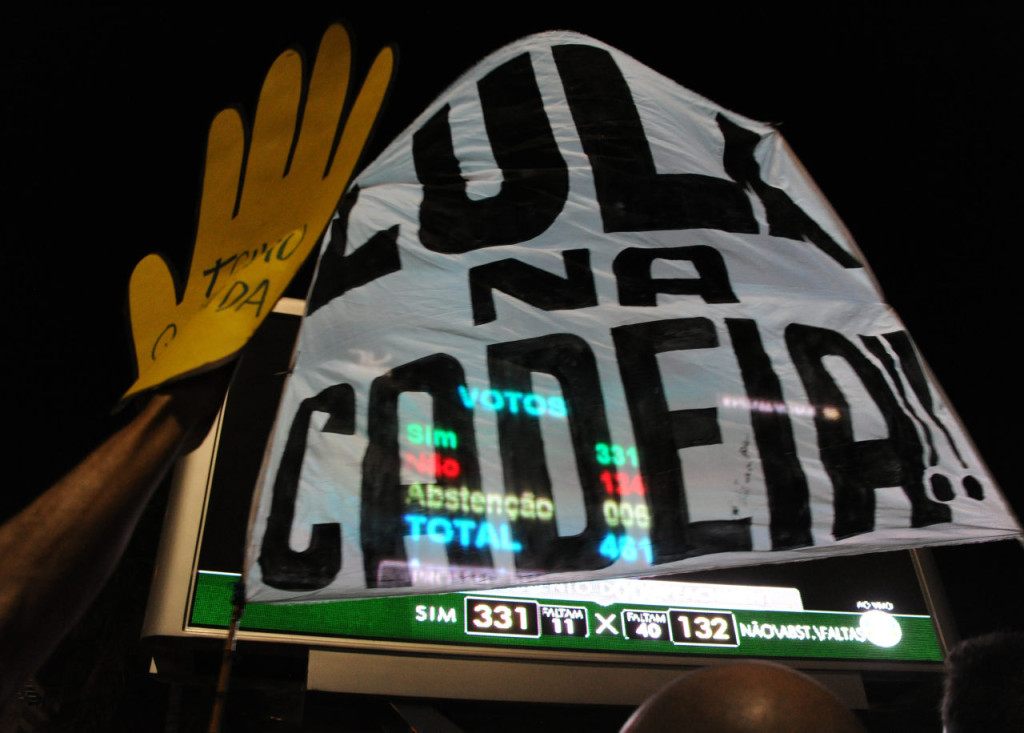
(57, 554)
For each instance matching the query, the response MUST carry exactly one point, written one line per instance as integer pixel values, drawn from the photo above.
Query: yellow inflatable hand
(255, 229)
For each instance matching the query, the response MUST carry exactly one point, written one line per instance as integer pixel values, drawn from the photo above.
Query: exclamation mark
(900, 343)
(941, 486)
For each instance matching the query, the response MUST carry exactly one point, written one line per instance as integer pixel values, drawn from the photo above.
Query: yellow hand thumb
(152, 302)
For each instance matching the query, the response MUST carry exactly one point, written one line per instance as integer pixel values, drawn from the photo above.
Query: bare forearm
(56, 555)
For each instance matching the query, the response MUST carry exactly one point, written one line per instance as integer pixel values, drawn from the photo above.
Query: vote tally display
(604, 641)
(578, 323)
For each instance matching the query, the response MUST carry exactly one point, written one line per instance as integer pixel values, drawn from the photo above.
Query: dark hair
(985, 684)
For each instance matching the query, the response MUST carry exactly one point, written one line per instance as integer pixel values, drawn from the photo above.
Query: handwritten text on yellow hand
(255, 232)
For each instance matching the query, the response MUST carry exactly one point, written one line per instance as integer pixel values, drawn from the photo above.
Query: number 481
(615, 546)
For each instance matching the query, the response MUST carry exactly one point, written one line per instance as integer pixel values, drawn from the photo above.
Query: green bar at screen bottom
(441, 618)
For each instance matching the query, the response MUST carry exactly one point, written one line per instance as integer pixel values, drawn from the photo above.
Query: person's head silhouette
(743, 698)
(985, 684)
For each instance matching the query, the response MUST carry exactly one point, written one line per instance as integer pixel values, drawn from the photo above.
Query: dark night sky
(904, 119)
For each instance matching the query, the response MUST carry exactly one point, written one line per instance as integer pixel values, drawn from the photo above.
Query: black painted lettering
(857, 468)
(568, 359)
(317, 565)
(339, 273)
(914, 372)
(911, 367)
(298, 235)
(535, 181)
(632, 195)
(632, 269)
(532, 285)
(788, 499)
(785, 218)
(214, 271)
(661, 432)
(237, 260)
(383, 495)
(234, 294)
(257, 297)
(874, 345)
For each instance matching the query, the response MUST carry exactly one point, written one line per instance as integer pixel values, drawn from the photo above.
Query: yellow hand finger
(361, 118)
(324, 104)
(273, 129)
(151, 306)
(225, 147)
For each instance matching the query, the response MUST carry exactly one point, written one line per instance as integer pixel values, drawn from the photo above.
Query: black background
(905, 118)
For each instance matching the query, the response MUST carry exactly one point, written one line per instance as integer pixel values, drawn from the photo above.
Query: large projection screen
(608, 642)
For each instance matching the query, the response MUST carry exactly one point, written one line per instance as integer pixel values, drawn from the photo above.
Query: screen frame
(428, 669)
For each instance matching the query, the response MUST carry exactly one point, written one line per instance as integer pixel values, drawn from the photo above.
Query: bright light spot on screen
(829, 412)
(881, 629)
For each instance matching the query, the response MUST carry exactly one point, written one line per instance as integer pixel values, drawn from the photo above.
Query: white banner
(578, 322)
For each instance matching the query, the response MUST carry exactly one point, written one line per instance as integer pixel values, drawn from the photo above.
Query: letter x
(604, 624)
